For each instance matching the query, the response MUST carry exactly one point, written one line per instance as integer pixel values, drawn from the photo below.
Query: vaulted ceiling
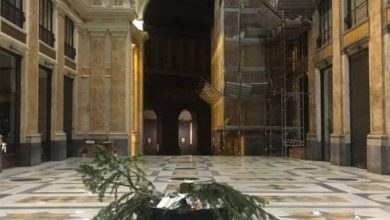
(179, 16)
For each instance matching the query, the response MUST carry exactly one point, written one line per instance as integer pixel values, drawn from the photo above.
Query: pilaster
(340, 151)
(58, 146)
(137, 79)
(30, 147)
(97, 82)
(32, 68)
(378, 149)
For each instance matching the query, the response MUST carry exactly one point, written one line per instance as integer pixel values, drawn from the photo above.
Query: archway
(151, 132)
(187, 132)
(177, 57)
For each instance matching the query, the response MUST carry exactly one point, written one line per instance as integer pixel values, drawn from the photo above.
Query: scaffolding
(286, 70)
(282, 87)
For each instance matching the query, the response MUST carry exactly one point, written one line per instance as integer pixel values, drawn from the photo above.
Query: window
(12, 10)
(46, 22)
(356, 11)
(69, 38)
(325, 31)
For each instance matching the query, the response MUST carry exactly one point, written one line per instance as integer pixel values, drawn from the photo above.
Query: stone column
(378, 151)
(30, 149)
(58, 146)
(313, 147)
(137, 92)
(339, 151)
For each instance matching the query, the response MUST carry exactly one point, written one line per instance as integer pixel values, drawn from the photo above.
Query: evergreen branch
(108, 172)
(223, 198)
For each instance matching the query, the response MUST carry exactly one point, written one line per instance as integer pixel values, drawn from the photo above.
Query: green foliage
(223, 198)
(107, 173)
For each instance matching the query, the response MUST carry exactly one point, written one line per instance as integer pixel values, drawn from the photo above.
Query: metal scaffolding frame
(291, 134)
(278, 137)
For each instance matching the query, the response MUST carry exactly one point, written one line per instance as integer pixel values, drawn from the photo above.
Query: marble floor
(295, 189)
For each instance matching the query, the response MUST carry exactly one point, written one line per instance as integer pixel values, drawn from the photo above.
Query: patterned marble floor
(295, 189)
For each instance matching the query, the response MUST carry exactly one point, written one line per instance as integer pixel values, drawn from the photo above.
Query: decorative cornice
(111, 27)
(65, 8)
(90, 9)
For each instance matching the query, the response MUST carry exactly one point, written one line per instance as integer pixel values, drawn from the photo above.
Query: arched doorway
(187, 131)
(151, 132)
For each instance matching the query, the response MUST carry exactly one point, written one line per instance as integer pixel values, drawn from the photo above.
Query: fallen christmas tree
(108, 172)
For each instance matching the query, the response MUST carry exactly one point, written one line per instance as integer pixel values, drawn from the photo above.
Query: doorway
(10, 64)
(360, 107)
(326, 112)
(68, 114)
(44, 110)
(151, 133)
(187, 130)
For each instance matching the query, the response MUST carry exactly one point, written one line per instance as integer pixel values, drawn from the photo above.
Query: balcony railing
(12, 13)
(46, 36)
(70, 51)
(359, 13)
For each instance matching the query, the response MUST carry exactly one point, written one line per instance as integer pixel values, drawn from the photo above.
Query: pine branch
(223, 198)
(107, 173)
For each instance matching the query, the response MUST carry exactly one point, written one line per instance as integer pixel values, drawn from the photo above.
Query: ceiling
(194, 17)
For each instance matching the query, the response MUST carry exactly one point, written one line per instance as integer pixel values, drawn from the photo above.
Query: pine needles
(107, 173)
(236, 205)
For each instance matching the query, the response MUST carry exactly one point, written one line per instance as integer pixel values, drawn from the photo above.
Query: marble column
(30, 148)
(58, 145)
(378, 150)
(340, 151)
(136, 79)
(313, 146)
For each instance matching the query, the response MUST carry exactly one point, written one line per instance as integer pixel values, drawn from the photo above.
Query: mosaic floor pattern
(295, 189)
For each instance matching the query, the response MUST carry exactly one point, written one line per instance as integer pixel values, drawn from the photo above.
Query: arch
(150, 114)
(140, 8)
(187, 132)
(185, 115)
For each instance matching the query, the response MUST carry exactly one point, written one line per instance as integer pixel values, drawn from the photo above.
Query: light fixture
(139, 24)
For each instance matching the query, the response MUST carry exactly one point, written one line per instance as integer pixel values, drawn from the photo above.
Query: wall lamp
(139, 24)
